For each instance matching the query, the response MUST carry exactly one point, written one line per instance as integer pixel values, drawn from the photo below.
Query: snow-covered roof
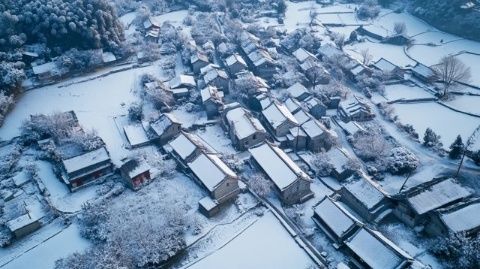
(213, 74)
(313, 128)
(139, 169)
(437, 195)
(135, 134)
(354, 105)
(208, 203)
(44, 68)
(163, 122)
(277, 113)
(260, 56)
(423, 70)
(210, 92)
(384, 65)
(182, 81)
(301, 55)
(465, 218)
(85, 160)
(334, 216)
(21, 222)
(183, 145)
(292, 105)
(277, 165)
(151, 22)
(338, 158)
(376, 30)
(329, 51)
(235, 58)
(376, 251)
(243, 123)
(198, 57)
(210, 170)
(357, 69)
(367, 194)
(298, 91)
(108, 57)
(301, 116)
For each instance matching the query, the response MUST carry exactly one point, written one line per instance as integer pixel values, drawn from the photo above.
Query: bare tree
(339, 40)
(366, 56)
(313, 16)
(451, 71)
(400, 28)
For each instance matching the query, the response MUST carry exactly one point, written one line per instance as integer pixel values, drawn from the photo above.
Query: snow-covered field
(445, 122)
(402, 91)
(60, 196)
(95, 102)
(42, 255)
(392, 53)
(273, 249)
(467, 103)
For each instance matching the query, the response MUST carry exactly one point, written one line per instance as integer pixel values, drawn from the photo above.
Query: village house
(315, 107)
(46, 72)
(351, 127)
(365, 199)
(388, 68)
(297, 139)
(298, 91)
(257, 57)
(216, 77)
(152, 29)
(135, 173)
(86, 168)
(415, 205)
(28, 221)
(373, 31)
(182, 81)
(303, 55)
(322, 76)
(329, 51)
(301, 116)
(292, 184)
(334, 220)
(340, 161)
(259, 102)
(357, 71)
(165, 128)
(136, 135)
(370, 249)
(278, 119)
(292, 105)
(457, 218)
(235, 64)
(212, 101)
(355, 108)
(397, 39)
(318, 136)
(244, 129)
(423, 72)
(184, 148)
(198, 60)
(217, 178)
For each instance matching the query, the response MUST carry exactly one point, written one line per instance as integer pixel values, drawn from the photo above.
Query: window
(254, 136)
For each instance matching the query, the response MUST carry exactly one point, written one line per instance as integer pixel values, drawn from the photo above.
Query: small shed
(136, 135)
(135, 173)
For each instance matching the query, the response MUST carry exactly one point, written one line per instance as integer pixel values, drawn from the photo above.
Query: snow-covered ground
(60, 197)
(265, 244)
(467, 103)
(402, 91)
(216, 138)
(41, 250)
(443, 121)
(175, 18)
(392, 53)
(95, 102)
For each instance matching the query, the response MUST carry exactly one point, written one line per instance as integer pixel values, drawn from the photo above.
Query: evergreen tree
(456, 149)
(430, 138)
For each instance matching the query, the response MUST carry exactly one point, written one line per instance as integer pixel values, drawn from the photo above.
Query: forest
(449, 16)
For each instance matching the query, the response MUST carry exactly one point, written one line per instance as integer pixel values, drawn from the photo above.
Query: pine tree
(456, 149)
(430, 138)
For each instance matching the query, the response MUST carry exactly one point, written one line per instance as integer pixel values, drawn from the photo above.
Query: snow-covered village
(242, 134)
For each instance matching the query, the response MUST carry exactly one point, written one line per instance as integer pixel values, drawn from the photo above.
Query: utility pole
(470, 142)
